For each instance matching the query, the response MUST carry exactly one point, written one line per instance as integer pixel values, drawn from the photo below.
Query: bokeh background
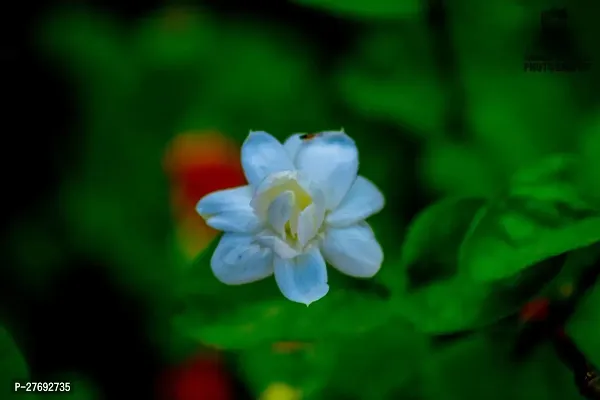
(118, 117)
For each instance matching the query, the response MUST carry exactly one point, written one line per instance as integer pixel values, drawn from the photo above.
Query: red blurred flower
(201, 378)
(199, 163)
(535, 311)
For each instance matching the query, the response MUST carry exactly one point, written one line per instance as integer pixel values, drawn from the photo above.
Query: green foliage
(379, 365)
(449, 168)
(390, 76)
(584, 325)
(250, 315)
(92, 47)
(307, 369)
(589, 149)
(429, 248)
(441, 298)
(362, 9)
(437, 299)
(514, 117)
(339, 368)
(480, 367)
(543, 214)
(179, 37)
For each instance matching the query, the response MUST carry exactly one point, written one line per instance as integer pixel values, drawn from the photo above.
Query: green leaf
(480, 367)
(495, 85)
(436, 299)
(13, 367)
(244, 316)
(254, 319)
(337, 368)
(175, 37)
(307, 370)
(393, 350)
(391, 77)
(577, 263)
(430, 248)
(543, 214)
(380, 9)
(584, 325)
(439, 298)
(461, 304)
(93, 46)
(450, 168)
(589, 148)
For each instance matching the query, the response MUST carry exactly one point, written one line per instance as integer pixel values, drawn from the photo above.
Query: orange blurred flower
(198, 163)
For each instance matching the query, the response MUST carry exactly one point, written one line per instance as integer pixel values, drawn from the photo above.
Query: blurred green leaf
(240, 317)
(380, 9)
(480, 368)
(437, 300)
(589, 150)
(307, 370)
(577, 262)
(379, 364)
(460, 304)
(430, 247)
(338, 368)
(93, 46)
(104, 224)
(13, 367)
(251, 321)
(584, 325)
(544, 214)
(440, 298)
(391, 76)
(176, 37)
(509, 112)
(261, 74)
(450, 168)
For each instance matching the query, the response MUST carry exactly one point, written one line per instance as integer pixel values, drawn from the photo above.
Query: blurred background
(119, 116)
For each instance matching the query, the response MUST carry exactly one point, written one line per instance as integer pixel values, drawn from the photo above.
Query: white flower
(303, 204)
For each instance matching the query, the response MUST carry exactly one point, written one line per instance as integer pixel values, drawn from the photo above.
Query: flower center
(289, 208)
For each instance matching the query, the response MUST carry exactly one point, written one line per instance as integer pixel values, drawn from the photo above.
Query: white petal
(318, 198)
(330, 160)
(238, 260)
(292, 145)
(309, 223)
(229, 210)
(263, 191)
(263, 155)
(302, 279)
(280, 211)
(277, 244)
(362, 201)
(353, 250)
